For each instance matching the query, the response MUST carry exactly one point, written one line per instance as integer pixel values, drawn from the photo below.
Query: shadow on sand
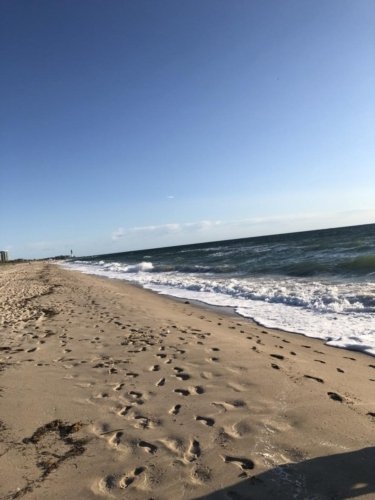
(345, 475)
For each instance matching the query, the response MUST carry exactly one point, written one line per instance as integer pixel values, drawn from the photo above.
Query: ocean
(317, 283)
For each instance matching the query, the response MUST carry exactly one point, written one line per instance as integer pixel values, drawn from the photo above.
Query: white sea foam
(341, 313)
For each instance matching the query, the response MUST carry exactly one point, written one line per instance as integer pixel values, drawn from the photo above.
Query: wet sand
(111, 391)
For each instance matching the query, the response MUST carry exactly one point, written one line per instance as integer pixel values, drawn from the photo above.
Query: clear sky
(137, 124)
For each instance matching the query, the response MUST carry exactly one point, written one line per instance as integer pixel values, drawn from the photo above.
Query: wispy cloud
(162, 229)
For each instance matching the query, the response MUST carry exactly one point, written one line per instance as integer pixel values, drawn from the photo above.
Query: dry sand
(111, 391)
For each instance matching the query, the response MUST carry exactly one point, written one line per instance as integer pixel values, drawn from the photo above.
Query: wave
(360, 266)
(341, 312)
(323, 296)
(117, 267)
(364, 264)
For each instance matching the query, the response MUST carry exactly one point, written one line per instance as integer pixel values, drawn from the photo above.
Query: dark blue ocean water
(319, 283)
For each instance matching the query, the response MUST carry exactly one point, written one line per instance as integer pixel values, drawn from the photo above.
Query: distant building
(3, 256)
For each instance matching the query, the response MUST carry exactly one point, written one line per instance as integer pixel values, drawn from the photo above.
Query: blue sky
(137, 124)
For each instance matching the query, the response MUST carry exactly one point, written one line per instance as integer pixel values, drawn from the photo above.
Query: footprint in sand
(135, 394)
(193, 452)
(230, 405)
(239, 429)
(317, 379)
(277, 356)
(129, 479)
(243, 463)
(107, 483)
(175, 410)
(115, 440)
(125, 410)
(205, 420)
(102, 395)
(182, 376)
(160, 383)
(150, 448)
(155, 368)
(145, 422)
(200, 474)
(335, 396)
(182, 392)
(198, 389)
(134, 397)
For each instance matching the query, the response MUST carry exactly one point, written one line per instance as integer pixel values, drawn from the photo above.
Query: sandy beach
(111, 391)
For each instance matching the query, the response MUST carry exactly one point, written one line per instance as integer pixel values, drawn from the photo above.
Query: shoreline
(226, 310)
(109, 389)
